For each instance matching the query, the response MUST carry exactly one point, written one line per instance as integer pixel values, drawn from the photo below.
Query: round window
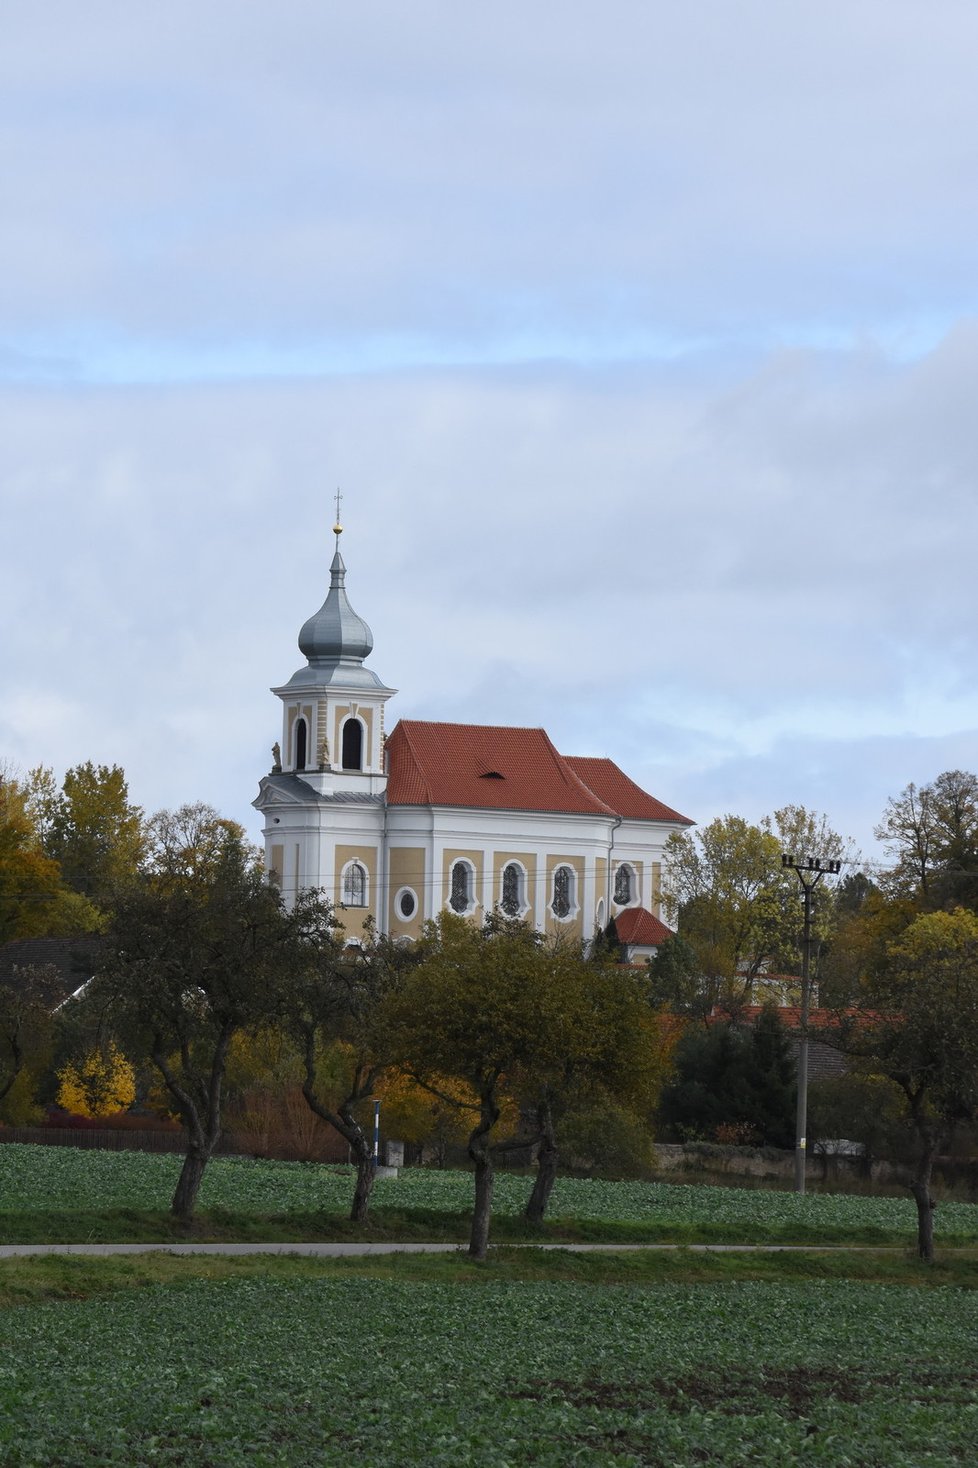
(407, 904)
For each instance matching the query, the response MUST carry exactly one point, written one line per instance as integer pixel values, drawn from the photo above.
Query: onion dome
(335, 640)
(335, 633)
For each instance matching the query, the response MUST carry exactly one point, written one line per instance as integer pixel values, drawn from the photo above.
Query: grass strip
(29, 1280)
(406, 1225)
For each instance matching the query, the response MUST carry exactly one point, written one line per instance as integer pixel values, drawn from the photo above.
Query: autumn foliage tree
(481, 1005)
(736, 907)
(607, 1055)
(201, 947)
(506, 1012)
(34, 899)
(336, 1005)
(89, 826)
(916, 1023)
(100, 1083)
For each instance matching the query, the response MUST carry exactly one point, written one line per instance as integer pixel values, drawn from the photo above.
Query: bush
(605, 1140)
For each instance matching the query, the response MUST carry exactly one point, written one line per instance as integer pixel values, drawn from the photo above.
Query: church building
(433, 815)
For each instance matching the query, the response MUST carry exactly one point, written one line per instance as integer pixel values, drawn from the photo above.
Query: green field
(850, 1359)
(323, 1370)
(70, 1194)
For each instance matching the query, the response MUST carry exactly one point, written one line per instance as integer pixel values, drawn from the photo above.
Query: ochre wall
(407, 869)
(353, 918)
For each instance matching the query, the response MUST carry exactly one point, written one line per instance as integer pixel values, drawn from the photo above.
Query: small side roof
(639, 928)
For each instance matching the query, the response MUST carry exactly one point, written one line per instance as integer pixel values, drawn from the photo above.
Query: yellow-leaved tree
(101, 1084)
(438, 1117)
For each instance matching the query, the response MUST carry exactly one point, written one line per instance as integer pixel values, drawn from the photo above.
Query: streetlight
(809, 870)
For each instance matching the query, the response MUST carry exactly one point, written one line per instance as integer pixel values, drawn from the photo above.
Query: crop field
(83, 1181)
(534, 1358)
(329, 1371)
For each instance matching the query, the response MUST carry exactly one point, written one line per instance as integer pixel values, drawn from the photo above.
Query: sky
(640, 339)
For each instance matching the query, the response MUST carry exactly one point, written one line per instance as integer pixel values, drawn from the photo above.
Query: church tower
(323, 801)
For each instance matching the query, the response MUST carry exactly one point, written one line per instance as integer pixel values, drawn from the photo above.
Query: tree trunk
(188, 1184)
(480, 1150)
(920, 1187)
(548, 1157)
(482, 1211)
(365, 1176)
(344, 1122)
(202, 1121)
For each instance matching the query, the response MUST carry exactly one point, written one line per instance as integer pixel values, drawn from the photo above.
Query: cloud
(640, 341)
(693, 582)
(321, 185)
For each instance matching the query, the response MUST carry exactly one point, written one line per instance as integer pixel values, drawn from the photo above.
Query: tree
(201, 949)
(190, 842)
(34, 901)
(25, 1021)
(856, 1107)
(676, 980)
(865, 921)
(736, 906)
(725, 888)
(931, 832)
(101, 1083)
(435, 1118)
(482, 1006)
(734, 1077)
(89, 827)
(607, 1059)
(339, 995)
(917, 1024)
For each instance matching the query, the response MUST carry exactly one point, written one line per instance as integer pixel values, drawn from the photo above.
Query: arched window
(624, 885)
(513, 902)
(563, 902)
(301, 738)
(461, 898)
(352, 751)
(354, 885)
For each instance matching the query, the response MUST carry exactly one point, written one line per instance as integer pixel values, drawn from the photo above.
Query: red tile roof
(484, 767)
(612, 786)
(818, 1019)
(636, 926)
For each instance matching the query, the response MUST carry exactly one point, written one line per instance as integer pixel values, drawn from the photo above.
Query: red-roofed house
(463, 816)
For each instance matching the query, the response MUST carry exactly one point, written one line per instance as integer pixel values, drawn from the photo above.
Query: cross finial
(338, 528)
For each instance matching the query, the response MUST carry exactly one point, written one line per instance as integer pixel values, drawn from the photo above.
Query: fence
(110, 1139)
(327, 1146)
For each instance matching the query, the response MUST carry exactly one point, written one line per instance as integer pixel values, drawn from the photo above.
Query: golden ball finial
(337, 528)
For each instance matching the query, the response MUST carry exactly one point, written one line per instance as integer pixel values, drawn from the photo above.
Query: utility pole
(809, 870)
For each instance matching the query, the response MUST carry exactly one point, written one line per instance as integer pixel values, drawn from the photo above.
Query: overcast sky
(640, 338)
